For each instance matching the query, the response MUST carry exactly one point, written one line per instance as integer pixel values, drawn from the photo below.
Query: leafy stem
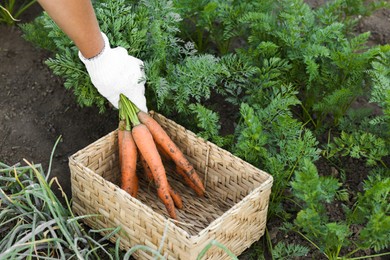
(309, 116)
(128, 112)
(311, 242)
(366, 257)
(269, 242)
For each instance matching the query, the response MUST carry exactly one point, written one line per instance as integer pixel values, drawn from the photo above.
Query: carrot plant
(327, 65)
(283, 76)
(214, 24)
(380, 94)
(365, 135)
(331, 236)
(271, 139)
(359, 145)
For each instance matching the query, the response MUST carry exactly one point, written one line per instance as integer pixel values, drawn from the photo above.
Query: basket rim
(191, 238)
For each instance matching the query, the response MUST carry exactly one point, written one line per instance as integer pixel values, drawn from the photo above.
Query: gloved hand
(114, 72)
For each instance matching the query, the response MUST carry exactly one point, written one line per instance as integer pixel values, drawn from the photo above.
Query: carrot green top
(128, 112)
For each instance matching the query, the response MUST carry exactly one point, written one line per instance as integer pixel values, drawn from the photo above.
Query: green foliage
(38, 32)
(35, 225)
(284, 71)
(75, 75)
(364, 7)
(11, 10)
(124, 25)
(349, 11)
(271, 139)
(313, 189)
(380, 93)
(363, 119)
(366, 135)
(288, 251)
(238, 77)
(208, 123)
(192, 81)
(359, 145)
(372, 209)
(213, 23)
(271, 75)
(252, 139)
(327, 67)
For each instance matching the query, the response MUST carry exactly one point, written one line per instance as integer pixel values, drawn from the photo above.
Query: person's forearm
(77, 19)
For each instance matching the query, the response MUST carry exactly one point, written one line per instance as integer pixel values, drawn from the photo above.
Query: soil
(35, 108)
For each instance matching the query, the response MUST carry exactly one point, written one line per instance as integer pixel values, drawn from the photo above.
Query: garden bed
(35, 109)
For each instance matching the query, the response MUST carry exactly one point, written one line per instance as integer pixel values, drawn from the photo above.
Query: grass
(10, 10)
(34, 223)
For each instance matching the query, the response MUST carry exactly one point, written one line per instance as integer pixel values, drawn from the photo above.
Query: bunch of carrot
(140, 137)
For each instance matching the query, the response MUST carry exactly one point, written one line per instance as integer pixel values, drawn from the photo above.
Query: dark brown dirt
(378, 23)
(35, 109)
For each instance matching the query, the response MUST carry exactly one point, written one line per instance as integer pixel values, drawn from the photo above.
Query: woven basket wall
(233, 211)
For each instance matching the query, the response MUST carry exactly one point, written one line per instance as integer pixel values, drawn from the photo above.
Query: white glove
(114, 72)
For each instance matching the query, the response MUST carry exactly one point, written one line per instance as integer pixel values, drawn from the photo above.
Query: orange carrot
(121, 129)
(128, 162)
(165, 142)
(163, 153)
(176, 198)
(187, 179)
(148, 150)
(146, 168)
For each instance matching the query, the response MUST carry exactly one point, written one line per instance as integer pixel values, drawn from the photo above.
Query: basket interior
(227, 179)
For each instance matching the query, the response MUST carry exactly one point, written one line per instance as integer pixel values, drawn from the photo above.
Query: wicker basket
(233, 211)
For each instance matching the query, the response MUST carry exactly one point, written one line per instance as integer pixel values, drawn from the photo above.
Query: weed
(11, 10)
